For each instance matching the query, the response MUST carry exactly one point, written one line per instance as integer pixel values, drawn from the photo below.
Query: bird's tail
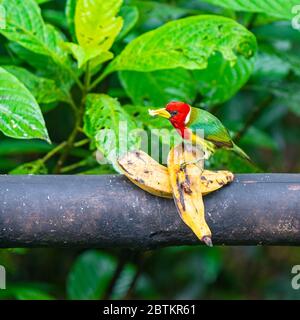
(241, 153)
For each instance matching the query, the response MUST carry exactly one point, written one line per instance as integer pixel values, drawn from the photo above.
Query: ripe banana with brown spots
(187, 190)
(152, 177)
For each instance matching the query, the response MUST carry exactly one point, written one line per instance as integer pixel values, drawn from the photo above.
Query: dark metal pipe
(109, 211)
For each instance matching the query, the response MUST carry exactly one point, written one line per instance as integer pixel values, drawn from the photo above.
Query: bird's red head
(179, 113)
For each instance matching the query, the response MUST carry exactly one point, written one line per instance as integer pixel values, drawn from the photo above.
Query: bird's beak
(160, 112)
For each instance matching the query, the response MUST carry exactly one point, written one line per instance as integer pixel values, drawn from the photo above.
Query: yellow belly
(207, 146)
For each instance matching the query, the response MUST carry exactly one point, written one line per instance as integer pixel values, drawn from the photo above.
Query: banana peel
(184, 180)
(187, 190)
(149, 175)
(146, 173)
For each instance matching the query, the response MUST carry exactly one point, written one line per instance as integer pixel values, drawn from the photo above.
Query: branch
(109, 211)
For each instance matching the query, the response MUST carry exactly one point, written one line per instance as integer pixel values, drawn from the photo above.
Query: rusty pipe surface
(109, 211)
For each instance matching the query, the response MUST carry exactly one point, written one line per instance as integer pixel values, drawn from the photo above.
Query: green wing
(214, 130)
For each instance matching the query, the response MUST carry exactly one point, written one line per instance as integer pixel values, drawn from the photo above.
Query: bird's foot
(196, 161)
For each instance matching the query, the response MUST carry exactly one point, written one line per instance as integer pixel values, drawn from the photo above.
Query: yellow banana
(146, 173)
(152, 177)
(187, 190)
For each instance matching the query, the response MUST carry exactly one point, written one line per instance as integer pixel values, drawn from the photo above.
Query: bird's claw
(184, 164)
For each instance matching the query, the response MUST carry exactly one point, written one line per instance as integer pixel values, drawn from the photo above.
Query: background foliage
(71, 68)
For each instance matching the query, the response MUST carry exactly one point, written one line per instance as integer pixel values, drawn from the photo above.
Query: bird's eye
(173, 113)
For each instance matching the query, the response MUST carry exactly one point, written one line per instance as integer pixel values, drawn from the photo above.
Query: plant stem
(139, 270)
(78, 121)
(120, 267)
(54, 151)
(98, 80)
(87, 81)
(81, 143)
(48, 156)
(76, 79)
(72, 104)
(68, 147)
(75, 165)
(80, 129)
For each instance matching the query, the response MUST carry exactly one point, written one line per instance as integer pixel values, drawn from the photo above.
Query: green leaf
(269, 66)
(26, 291)
(96, 27)
(295, 107)
(37, 61)
(46, 67)
(110, 127)
(277, 33)
(32, 294)
(32, 33)
(70, 14)
(96, 23)
(146, 288)
(186, 43)
(42, 1)
(157, 88)
(20, 115)
(277, 8)
(292, 60)
(55, 17)
(153, 13)
(34, 167)
(24, 147)
(81, 55)
(19, 251)
(286, 93)
(124, 281)
(220, 81)
(44, 90)
(7, 164)
(38, 40)
(130, 15)
(143, 120)
(90, 276)
(101, 58)
(255, 137)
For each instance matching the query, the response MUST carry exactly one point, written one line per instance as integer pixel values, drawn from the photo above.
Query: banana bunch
(184, 180)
